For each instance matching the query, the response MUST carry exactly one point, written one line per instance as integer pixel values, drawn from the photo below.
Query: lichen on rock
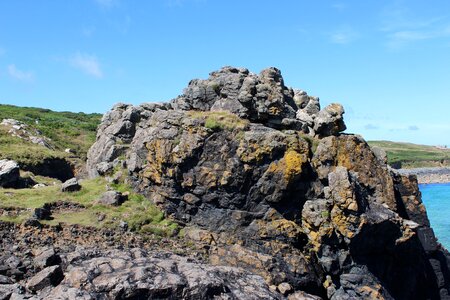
(268, 181)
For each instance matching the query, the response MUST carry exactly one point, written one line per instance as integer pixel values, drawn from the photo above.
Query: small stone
(284, 288)
(41, 213)
(71, 185)
(123, 225)
(112, 198)
(39, 185)
(101, 217)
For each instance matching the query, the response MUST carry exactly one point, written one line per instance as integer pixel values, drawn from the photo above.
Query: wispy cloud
(371, 127)
(87, 64)
(413, 128)
(402, 27)
(344, 35)
(17, 74)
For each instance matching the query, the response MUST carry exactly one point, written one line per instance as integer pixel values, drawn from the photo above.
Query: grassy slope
(66, 130)
(140, 214)
(412, 155)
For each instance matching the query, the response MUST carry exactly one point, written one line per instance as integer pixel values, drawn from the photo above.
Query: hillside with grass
(59, 130)
(408, 155)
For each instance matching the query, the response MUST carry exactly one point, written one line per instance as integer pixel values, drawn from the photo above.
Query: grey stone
(46, 258)
(71, 185)
(112, 198)
(9, 173)
(330, 121)
(50, 276)
(41, 213)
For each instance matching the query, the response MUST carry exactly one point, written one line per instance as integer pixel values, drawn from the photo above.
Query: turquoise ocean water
(436, 198)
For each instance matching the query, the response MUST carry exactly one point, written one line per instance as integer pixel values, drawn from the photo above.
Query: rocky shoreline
(273, 201)
(429, 175)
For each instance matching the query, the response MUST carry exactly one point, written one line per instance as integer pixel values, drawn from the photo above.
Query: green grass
(413, 156)
(65, 129)
(24, 152)
(140, 214)
(220, 120)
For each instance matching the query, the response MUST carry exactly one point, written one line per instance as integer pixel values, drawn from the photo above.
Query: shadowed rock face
(263, 176)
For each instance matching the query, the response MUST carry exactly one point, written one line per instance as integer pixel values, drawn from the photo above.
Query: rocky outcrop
(264, 178)
(23, 131)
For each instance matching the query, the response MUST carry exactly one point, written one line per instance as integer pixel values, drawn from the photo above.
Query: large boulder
(265, 179)
(9, 173)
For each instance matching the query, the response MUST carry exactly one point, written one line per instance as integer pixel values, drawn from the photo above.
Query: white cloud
(402, 27)
(86, 63)
(25, 76)
(343, 35)
(398, 39)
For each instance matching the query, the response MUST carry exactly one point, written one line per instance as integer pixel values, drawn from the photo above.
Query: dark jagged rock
(263, 177)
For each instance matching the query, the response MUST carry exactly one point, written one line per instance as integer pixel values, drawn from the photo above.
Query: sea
(436, 198)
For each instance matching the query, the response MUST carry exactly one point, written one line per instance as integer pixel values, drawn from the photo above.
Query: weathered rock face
(263, 176)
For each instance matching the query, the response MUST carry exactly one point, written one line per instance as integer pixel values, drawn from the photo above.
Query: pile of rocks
(23, 131)
(261, 98)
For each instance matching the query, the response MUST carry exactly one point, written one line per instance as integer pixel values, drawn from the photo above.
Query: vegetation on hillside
(140, 214)
(407, 155)
(65, 129)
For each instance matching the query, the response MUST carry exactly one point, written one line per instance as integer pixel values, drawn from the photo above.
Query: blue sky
(387, 62)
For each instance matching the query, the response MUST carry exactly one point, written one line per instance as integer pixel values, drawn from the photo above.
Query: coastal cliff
(263, 176)
(240, 188)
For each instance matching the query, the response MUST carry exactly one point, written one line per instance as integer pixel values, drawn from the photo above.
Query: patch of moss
(220, 120)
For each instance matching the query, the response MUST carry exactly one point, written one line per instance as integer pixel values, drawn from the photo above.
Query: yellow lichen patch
(283, 227)
(275, 111)
(158, 154)
(290, 165)
(342, 223)
(294, 163)
(252, 152)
